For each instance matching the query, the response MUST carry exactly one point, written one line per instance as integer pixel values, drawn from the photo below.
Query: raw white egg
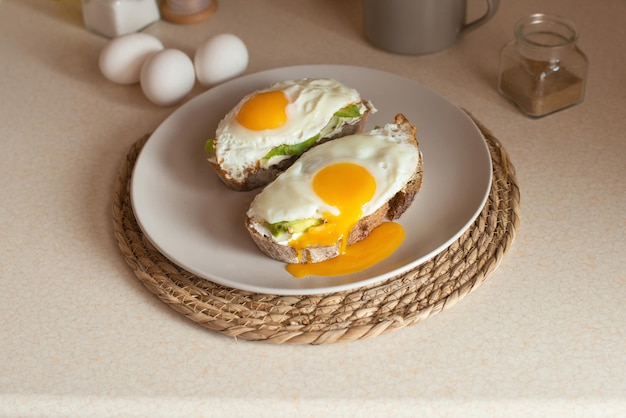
(220, 58)
(167, 77)
(121, 59)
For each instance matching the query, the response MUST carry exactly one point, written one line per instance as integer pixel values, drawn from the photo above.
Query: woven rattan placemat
(342, 316)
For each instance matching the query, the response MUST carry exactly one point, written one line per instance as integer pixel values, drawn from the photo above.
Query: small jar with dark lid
(542, 70)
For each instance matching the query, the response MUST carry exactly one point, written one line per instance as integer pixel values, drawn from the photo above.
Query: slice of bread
(257, 176)
(240, 161)
(398, 202)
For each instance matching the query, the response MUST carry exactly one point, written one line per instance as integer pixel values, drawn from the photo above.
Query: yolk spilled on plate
(347, 187)
(263, 111)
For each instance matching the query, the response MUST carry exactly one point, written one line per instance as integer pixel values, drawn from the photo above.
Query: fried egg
(286, 113)
(340, 182)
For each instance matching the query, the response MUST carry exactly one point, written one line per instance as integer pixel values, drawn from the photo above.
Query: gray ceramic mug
(418, 26)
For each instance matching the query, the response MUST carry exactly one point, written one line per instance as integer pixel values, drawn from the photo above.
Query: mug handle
(492, 7)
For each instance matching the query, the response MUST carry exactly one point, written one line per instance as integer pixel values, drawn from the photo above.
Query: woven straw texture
(350, 315)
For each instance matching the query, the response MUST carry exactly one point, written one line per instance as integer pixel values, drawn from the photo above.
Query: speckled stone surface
(81, 336)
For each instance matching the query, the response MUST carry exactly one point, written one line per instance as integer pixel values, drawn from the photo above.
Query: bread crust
(259, 177)
(390, 210)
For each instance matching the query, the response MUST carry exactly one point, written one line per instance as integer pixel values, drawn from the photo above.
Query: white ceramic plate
(194, 220)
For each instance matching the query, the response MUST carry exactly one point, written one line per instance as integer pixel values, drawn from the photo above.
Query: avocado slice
(209, 146)
(348, 112)
(296, 149)
(292, 227)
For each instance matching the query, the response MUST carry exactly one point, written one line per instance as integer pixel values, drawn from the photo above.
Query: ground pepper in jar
(542, 70)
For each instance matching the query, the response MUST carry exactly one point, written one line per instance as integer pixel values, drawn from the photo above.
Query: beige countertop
(81, 336)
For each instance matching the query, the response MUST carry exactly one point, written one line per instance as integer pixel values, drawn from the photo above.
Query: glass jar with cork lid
(542, 70)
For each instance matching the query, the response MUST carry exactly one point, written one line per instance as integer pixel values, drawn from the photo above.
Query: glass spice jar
(542, 70)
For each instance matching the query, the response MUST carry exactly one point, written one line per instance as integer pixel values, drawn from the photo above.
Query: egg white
(386, 153)
(312, 104)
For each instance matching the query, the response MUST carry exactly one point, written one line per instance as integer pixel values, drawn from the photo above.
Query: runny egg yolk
(266, 110)
(347, 187)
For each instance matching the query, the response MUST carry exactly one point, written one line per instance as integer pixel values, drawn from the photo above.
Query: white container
(112, 18)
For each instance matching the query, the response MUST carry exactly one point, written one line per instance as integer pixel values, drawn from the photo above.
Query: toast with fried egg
(302, 202)
(270, 128)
